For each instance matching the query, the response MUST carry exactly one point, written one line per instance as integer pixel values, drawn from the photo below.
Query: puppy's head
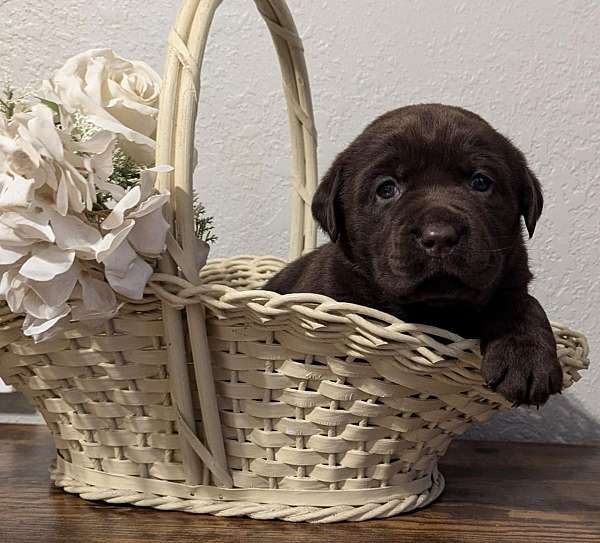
(427, 203)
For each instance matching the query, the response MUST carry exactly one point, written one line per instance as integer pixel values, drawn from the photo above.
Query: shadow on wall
(563, 419)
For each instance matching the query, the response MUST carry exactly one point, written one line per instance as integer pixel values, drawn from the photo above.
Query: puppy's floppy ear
(532, 200)
(326, 205)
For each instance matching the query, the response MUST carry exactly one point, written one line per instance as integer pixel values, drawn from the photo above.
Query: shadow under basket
(211, 396)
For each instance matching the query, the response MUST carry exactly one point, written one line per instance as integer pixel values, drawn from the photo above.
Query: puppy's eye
(480, 182)
(387, 188)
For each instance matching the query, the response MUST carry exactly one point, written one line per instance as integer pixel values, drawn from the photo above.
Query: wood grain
(496, 492)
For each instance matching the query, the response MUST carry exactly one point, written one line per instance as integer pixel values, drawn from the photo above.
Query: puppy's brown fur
(439, 251)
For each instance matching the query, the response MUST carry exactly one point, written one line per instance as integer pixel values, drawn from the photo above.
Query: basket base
(65, 478)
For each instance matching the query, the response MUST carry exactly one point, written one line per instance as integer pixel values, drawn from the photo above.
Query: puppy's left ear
(532, 200)
(326, 205)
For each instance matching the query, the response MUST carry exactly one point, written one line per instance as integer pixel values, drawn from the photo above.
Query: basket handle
(178, 111)
(175, 146)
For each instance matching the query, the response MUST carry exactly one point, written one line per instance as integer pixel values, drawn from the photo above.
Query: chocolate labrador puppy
(423, 211)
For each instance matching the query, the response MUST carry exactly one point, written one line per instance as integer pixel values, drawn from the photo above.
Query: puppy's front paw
(522, 369)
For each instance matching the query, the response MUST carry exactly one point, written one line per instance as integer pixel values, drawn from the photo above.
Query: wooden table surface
(495, 492)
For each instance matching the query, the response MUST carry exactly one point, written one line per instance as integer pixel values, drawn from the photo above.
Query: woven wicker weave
(212, 396)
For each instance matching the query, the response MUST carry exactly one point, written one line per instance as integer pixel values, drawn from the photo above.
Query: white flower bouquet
(80, 220)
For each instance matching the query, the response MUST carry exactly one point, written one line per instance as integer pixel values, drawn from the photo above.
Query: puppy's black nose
(438, 239)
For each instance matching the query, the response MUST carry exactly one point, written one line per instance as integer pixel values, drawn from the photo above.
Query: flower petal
(131, 284)
(26, 145)
(58, 291)
(35, 306)
(8, 145)
(99, 143)
(16, 192)
(132, 113)
(147, 182)
(41, 329)
(29, 226)
(72, 234)
(117, 215)
(149, 205)
(119, 260)
(42, 127)
(13, 290)
(8, 237)
(97, 296)
(149, 235)
(47, 264)
(10, 255)
(100, 168)
(113, 240)
(62, 196)
(79, 194)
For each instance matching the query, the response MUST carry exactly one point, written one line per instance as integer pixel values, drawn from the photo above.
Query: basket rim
(275, 299)
(363, 332)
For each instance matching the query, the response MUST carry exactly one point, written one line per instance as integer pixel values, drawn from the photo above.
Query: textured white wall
(532, 68)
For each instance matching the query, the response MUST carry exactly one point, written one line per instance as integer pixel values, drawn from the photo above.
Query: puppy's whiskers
(499, 250)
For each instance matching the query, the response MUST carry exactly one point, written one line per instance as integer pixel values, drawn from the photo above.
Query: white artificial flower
(63, 258)
(36, 157)
(43, 255)
(135, 228)
(113, 93)
(50, 305)
(21, 233)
